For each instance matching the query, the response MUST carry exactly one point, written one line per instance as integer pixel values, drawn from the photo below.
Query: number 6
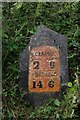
(51, 64)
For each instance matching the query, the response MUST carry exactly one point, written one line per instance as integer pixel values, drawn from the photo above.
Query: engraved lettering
(51, 83)
(34, 84)
(44, 69)
(36, 65)
(52, 64)
(42, 53)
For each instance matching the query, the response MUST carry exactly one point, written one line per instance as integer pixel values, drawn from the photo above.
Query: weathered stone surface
(44, 66)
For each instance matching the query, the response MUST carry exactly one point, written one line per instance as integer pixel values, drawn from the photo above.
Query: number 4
(40, 84)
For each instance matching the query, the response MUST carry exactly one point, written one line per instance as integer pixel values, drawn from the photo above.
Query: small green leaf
(69, 84)
(18, 5)
(57, 102)
(31, 31)
(15, 47)
(74, 99)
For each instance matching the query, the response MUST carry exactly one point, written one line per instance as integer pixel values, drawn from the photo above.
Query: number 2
(36, 65)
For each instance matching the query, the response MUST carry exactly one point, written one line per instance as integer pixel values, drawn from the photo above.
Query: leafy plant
(20, 21)
(59, 108)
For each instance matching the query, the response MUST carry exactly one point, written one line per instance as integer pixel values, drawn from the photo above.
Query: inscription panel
(44, 69)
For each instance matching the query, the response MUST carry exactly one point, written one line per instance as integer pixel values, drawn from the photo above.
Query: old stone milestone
(44, 66)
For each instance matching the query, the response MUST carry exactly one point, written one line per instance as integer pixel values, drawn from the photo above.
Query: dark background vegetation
(20, 21)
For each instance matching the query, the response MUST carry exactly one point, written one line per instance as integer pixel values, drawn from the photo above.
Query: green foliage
(20, 21)
(59, 108)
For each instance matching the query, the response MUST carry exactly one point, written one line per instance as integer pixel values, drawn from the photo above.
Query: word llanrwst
(48, 53)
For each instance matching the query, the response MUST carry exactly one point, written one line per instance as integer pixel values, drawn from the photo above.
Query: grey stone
(44, 36)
